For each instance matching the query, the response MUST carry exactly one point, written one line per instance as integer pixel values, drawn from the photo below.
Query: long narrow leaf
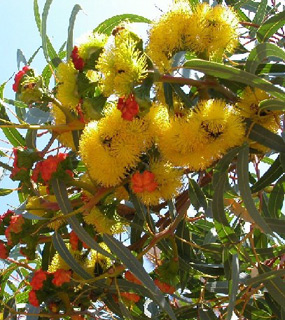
(272, 104)
(273, 173)
(243, 183)
(267, 29)
(233, 286)
(260, 52)
(61, 248)
(230, 73)
(108, 25)
(138, 270)
(69, 44)
(64, 203)
(276, 198)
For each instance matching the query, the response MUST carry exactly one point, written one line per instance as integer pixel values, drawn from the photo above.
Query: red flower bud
(130, 277)
(76, 59)
(130, 296)
(143, 182)
(3, 250)
(38, 279)
(19, 76)
(129, 107)
(61, 276)
(33, 299)
(164, 287)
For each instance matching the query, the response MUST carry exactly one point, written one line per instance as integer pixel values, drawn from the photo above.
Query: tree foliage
(160, 188)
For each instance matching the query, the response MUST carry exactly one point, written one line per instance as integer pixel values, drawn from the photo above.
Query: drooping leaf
(265, 276)
(69, 44)
(272, 174)
(125, 311)
(259, 16)
(138, 270)
(230, 73)
(261, 52)
(243, 183)
(272, 104)
(5, 192)
(275, 286)
(108, 25)
(276, 198)
(64, 203)
(266, 138)
(61, 248)
(206, 314)
(267, 29)
(21, 58)
(182, 95)
(196, 195)
(234, 286)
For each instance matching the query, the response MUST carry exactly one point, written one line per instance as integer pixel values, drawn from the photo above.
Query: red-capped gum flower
(130, 277)
(38, 279)
(15, 226)
(143, 182)
(6, 216)
(73, 240)
(33, 299)
(129, 107)
(19, 76)
(76, 59)
(47, 167)
(16, 168)
(3, 250)
(164, 287)
(130, 296)
(61, 276)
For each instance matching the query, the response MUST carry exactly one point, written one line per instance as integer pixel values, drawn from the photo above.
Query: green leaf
(49, 52)
(275, 286)
(234, 286)
(218, 287)
(21, 58)
(69, 44)
(206, 314)
(108, 25)
(265, 276)
(243, 184)
(259, 16)
(230, 73)
(269, 68)
(196, 195)
(138, 270)
(125, 312)
(267, 29)
(33, 56)
(5, 192)
(282, 160)
(276, 198)
(37, 16)
(261, 52)
(61, 248)
(64, 203)
(266, 137)
(272, 104)
(272, 174)
(182, 95)
(168, 96)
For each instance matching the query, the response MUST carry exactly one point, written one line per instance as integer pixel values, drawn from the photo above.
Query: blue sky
(18, 31)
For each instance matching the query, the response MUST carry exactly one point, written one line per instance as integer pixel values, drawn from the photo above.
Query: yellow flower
(121, 65)
(65, 138)
(67, 92)
(183, 141)
(223, 127)
(111, 146)
(90, 44)
(102, 223)
(169, 182)
(249, 108)
(158, 118)
(199, 29)
(98, 263)
(213, 30)
(166, 37)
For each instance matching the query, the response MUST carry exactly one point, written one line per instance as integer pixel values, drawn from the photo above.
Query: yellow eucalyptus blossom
(158, 118)
(65, 138)
(169, 182)
(111, 146)
(58, 262)
(67, 92)
(90, 43)
(121, 65)
(249, 108)
(222, 125)
(102, 223)
(166, 36)
(97, 263)
(183, 141)
(213, 31)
